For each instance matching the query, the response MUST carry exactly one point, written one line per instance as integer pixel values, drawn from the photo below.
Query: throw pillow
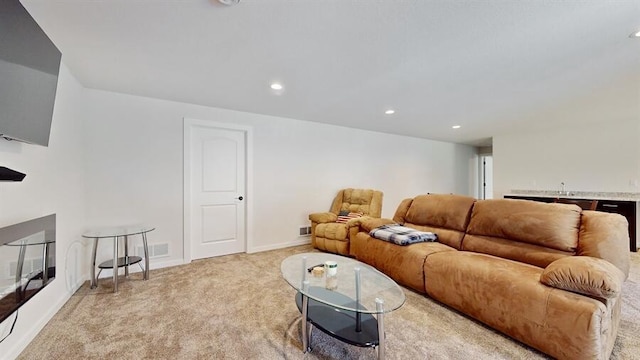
(584, 275)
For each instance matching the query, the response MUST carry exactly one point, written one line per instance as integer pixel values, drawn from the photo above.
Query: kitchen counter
(595, 195)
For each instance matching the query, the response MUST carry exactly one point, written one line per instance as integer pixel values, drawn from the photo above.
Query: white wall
(134, 165)
(54, 184)
(595, 157)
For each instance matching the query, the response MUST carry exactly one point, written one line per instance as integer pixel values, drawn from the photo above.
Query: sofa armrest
(605, 236)
(367, 224)
(584, 275)
(325, 217)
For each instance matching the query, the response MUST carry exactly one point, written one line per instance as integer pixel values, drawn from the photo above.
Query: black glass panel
(27, 261)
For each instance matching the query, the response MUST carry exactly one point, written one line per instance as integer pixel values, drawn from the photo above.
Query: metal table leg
(115, 264)
(146, 257)
(45, 264)
(305, 326)
(126, 256)
(19, 290)
(94, 280)
(380, 311)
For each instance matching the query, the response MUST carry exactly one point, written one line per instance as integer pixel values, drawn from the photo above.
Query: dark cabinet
(627, 209)
(532, 198)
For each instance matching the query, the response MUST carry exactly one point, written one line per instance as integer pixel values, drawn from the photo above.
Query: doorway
(486, 176)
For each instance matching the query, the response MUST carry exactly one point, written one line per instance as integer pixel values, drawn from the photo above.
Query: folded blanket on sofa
(402, 235)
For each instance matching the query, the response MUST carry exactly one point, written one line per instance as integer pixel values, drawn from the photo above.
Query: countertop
(595, 195)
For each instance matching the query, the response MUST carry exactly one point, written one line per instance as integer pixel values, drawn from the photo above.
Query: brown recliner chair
(328, 234)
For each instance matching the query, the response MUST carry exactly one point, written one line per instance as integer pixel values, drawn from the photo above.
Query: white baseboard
(302, 241)
(22, 342)
(106, 273)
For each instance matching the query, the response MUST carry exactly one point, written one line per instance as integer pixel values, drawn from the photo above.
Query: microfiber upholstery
(446, 215)
(402, 263)
(526, 231)
(584, 275)
(548, 275)
(553, 226)
(329, 235)
(606, 237)
(365, 201)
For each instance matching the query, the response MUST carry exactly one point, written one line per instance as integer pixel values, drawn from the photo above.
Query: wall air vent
(7, 174)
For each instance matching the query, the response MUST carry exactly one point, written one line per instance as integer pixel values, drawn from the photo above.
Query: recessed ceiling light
(390, 112)
(456, 127)
(276, 86)
(229, 2)
(635, 34)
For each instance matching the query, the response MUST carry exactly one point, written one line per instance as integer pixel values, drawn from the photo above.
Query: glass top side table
(116, 233)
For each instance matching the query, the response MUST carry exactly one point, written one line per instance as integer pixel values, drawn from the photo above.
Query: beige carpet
(239, 307)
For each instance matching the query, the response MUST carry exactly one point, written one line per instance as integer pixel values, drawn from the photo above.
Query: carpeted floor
(239, 307)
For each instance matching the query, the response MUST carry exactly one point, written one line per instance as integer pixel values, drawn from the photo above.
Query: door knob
(239, 198)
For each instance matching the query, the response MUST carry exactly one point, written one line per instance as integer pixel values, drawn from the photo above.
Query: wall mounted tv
(29, 66)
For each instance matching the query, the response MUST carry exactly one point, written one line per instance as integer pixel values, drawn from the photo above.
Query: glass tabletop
(373, 284)
(39, 238)
(109, 232)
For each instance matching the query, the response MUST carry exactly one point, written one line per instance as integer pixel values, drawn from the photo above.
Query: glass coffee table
(343, 306)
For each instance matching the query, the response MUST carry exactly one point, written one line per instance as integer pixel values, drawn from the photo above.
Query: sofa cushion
(440, 210)
(514, 250)
(332, 231)
(488, 287)
(368, 224)
(402, 263)
(553, 226)
(446, 215)
(584, 275)
(365, 201)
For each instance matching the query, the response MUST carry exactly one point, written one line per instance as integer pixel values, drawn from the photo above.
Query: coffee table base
(341, 324)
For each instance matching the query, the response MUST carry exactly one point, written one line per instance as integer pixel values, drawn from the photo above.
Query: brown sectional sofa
(548, 275)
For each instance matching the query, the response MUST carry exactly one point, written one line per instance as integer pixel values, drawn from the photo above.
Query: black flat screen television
(29, 66)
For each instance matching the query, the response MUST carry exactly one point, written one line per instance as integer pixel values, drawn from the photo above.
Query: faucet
(562, 190)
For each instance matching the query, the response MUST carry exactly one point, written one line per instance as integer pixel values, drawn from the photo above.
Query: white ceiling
(492, 66)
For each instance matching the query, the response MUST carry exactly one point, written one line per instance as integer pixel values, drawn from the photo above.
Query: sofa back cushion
(521, 230)
(444, 214)
(365, 201)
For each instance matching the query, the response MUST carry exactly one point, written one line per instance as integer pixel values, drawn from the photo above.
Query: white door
(216, 214)
(486, 173)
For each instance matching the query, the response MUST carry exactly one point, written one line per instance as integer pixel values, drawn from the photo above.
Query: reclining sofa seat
(445, 215)
(494, 272)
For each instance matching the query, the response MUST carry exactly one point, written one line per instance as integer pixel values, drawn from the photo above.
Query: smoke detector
(229, 2)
